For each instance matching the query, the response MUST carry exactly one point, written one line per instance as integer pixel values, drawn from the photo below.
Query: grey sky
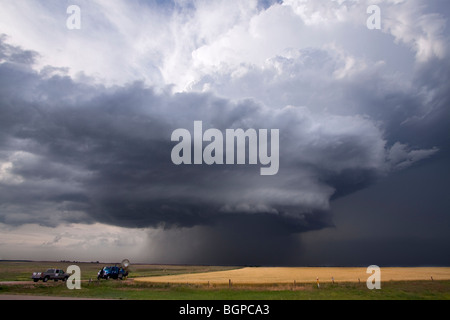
(86, 118)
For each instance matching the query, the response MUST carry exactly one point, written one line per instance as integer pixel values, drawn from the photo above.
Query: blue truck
(112, 273)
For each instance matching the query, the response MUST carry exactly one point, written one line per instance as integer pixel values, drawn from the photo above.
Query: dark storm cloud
(400, 221)
(233, 240)
(15, 54)
(74, 152)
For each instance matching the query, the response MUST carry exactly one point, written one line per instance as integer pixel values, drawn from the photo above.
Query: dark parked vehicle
(50, 274)
(112, 273)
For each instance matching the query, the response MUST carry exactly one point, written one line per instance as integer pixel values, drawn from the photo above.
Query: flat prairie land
(179, 282)
(22, 270)
(276, 275)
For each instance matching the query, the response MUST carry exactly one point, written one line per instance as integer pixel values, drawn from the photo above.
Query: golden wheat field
(272, 275)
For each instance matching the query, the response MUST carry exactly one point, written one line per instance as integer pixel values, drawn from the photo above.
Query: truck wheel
(120, 277)
(35, 280)
(45, 279)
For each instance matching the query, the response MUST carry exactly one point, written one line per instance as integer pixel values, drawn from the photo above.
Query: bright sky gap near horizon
(86, 118)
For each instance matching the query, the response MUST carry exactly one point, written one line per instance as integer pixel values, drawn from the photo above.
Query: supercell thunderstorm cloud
(87, 114)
